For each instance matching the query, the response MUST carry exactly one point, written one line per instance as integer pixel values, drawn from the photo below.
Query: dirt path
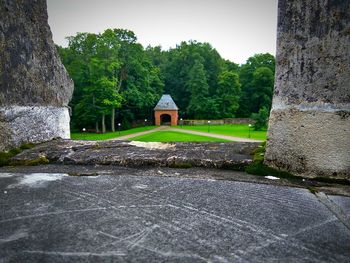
(207, 134)
(214, 135)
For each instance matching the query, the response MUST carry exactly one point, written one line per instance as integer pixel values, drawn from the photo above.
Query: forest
(117, 80)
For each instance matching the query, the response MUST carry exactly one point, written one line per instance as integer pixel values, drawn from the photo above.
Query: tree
(110, 71)
(108, 98)
(199, 89)
(228, 93)
(116, 77)
(251, 88)
(263, 80)
(261, 118)
(179, 62)
(76, 59)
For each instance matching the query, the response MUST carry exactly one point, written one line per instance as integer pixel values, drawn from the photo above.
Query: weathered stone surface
(309, 129)
(31, 72)
(125, 153)
(92, 170)
(118, 217)
(34, 124)
(31, 75)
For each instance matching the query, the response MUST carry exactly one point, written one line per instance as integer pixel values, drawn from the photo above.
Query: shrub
(260, 119)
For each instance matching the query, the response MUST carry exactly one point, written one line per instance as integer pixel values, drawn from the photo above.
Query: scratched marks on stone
(166, 219)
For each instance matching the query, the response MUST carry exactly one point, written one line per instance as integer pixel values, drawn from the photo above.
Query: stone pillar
(309, 128)
(34, 86)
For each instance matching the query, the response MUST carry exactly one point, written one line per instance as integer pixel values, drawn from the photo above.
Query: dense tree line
(118, 80)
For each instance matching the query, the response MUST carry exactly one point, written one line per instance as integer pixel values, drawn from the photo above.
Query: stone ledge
(232, 155)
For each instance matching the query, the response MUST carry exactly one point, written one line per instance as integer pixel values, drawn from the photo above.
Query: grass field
(237, 130)
(108, 135)
(170, 136)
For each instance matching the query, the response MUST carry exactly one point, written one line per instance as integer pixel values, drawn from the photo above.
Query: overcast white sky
(237, 29)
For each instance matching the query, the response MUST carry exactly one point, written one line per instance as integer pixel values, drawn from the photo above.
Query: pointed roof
(166, 103)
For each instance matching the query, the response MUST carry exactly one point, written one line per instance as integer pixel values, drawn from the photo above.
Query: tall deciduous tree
(116, 78)
(228, 93)
(263, 80)
(199, 89)
(251, 88)
(111, 71)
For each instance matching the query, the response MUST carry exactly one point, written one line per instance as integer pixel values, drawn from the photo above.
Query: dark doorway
(165, 119)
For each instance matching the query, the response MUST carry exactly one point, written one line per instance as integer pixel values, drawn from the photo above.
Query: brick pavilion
(166, 111)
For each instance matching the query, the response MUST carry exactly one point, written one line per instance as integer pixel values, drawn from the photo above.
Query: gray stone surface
(34, 124)
(31, 73)
(112, 218)
(194, 172)
(313, 52)
(309, 128)
(234, 155)
(343, 202)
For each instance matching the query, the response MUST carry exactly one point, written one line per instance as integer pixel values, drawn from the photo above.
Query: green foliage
(245, 94)
(258, 153)
(34, 162)
(263, 80)
(14, 151)
(199, 90)
(116, 78)
(228, 93)
(261, 118)
(5, 157)
(180, 164)
(110, 71)
(259, 168)
(26, 146)
(180, 81)
(312, 189)
(257, 79)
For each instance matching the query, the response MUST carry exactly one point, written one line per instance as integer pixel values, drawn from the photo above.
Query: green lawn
(170, 136)
(237, 130)
(108, 135)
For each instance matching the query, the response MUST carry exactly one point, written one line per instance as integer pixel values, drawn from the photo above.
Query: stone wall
(34, 86)
(309, 128)
(220, 121)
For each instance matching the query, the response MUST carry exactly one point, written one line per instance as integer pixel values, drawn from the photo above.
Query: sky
(237, 29)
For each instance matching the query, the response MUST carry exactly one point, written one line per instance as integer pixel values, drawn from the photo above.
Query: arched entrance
(165, 119)
(166, 111)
